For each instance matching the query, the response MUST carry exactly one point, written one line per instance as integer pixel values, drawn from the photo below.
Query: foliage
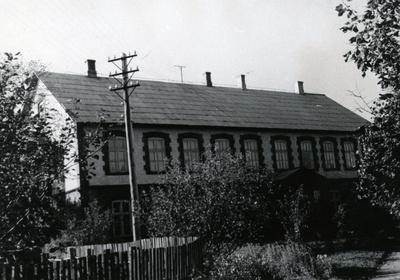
(224, 201)
(94, 228)
(377, 49)
(246, 265)
(380, 160)
(363, 225)
(31, 161)
(273, 261)
(375, 35)
(293, 211)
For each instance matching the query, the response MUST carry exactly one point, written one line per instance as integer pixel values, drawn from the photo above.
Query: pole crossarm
(123, 87)
(119, 58)
(124, 72)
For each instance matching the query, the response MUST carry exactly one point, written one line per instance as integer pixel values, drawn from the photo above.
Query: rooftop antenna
(181, 66)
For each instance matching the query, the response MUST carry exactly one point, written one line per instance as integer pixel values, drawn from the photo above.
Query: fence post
(134, 263)
(89, 264)
(58, 269)
(100, 270)
(106, 264)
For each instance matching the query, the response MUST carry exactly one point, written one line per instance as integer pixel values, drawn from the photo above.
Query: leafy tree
(377, 49)
(223, 201)
(375, 36)
(380, 155)
(31, 160)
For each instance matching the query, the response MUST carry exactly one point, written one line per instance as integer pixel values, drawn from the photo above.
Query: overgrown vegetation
(31, 161)
(292, 211)
(376, 40)
(93, 228)
(274, 261)
(224, 201)
(364, 226)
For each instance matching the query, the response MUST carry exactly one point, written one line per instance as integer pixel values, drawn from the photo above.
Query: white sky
(275, 43)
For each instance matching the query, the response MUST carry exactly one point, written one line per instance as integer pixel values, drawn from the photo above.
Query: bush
(94, 228)
(222, 200)
(250, 265)
(293, 210)
(274, 261)
(364, 225)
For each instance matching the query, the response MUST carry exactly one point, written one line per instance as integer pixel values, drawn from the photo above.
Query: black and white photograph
(199, 140)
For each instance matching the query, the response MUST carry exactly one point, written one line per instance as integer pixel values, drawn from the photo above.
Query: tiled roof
(198, 105)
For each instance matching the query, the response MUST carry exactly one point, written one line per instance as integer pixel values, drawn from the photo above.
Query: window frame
(189, 135)
(106, 156)
(354, 142)
(260, 150)
(313, 147)
(146, 152)
(335, 198)
(335, 152)
(226, 136)
(289, 151)
(121, 214)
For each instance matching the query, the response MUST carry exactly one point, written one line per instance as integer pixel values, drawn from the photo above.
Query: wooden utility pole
(125, 85)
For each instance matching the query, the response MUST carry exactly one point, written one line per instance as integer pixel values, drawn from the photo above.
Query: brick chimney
(208, 78)
(299, 88)
(243, 79)
(91, 68)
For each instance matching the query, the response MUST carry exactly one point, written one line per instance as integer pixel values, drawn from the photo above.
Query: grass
(358, 264)
(285, 261)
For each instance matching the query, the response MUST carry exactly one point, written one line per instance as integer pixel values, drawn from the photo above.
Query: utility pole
(125, 85)
(180, 66)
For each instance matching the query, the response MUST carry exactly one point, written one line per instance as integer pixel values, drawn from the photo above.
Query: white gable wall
(47, 103)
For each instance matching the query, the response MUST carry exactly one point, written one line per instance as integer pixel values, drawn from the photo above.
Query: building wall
(45, 102)
(112, 190)
(102, 179)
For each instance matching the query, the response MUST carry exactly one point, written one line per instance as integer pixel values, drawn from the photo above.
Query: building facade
(303, 138)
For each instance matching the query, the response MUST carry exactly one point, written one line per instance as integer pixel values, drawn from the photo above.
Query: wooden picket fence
(153, 259)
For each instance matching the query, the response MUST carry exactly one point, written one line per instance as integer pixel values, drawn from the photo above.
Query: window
(329, 152)
(156, 151)
(307, 155)
(222, 144)
(191, 153)
(156, 154)
(221, 147)
(190, 147)
(281, 152)
(349, 151)
(334, 198)
(122, 218)
(306, 147)
(117, 155)
(251, 149)
(349, 155)
(329, 155)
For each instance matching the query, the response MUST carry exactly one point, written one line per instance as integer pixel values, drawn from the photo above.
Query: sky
(274, 43)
